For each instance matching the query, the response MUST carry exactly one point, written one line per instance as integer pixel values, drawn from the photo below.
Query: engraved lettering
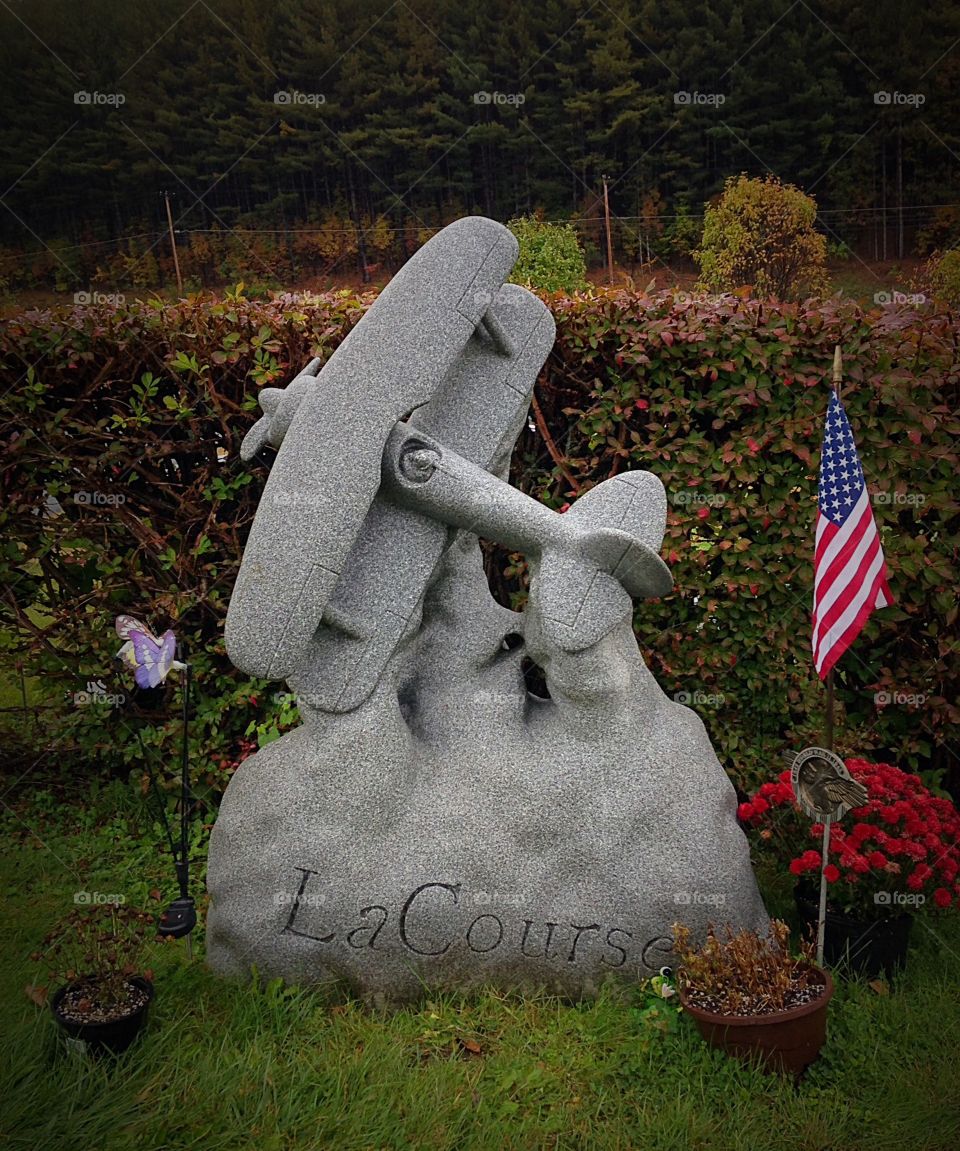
(528, 923)
(576, 939)
(616, 946)
(364, 911)
(496, 942)
(289, 929)
(650, 945)
(453, 888)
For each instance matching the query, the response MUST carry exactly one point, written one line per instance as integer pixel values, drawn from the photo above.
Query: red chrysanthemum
(902, 830)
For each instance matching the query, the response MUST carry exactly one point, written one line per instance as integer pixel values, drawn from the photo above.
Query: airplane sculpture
(388, 446)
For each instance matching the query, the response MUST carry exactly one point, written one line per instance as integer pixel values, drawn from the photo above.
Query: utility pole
(899, 189)
(606, 213)
(173, 243)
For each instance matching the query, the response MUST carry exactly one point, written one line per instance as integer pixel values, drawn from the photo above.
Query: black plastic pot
(868, 947)
(99, 1038)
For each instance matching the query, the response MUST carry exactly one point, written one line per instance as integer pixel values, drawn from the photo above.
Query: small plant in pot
(104, 994)
(896, 856)
(752, 998)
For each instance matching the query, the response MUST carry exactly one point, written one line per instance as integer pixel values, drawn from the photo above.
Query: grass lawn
(223, 1066)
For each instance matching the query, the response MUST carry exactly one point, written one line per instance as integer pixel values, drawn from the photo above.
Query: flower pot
(784, 1041)
(858, 946)
(114, 1035)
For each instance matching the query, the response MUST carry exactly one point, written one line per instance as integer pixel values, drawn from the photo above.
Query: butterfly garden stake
(151, 660)
(826, 792)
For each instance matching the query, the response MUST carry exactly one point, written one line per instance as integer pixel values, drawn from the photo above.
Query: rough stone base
(455, 830)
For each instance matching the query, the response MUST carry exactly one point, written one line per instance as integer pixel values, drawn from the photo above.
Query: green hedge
(722, 398)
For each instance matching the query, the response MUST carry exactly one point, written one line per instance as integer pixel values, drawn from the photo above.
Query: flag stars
(841, 477)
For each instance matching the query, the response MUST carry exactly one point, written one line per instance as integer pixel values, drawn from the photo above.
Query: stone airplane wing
(444, 336)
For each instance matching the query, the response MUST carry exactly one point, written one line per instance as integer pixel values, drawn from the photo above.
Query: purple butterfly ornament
(151, 659)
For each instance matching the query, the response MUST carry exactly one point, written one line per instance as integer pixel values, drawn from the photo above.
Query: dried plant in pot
(94, 954)
(752, 998)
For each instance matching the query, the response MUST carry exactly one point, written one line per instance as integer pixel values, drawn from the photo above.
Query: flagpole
(828, 718)
(828, 737)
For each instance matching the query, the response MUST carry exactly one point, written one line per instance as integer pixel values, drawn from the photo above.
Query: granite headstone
(434, 822)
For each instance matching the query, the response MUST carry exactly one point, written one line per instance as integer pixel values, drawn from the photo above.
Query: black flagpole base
(179, 919)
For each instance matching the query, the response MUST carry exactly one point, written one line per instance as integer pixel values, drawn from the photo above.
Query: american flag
(849, 571)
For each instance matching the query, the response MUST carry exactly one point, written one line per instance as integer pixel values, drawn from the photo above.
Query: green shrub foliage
(944, 274)
(550, 256)
(130, 416)
(760, 233)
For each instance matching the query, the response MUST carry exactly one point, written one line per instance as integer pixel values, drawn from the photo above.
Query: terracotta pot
(97, 1038)
(784, 1041)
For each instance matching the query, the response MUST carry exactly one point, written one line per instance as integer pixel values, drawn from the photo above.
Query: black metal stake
(180, 918)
